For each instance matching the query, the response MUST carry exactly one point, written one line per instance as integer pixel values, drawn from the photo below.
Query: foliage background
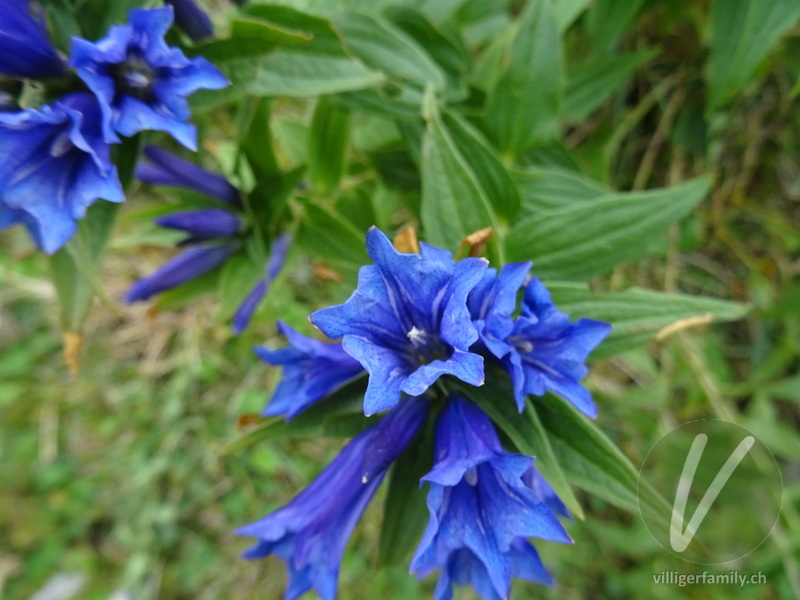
(118, 473)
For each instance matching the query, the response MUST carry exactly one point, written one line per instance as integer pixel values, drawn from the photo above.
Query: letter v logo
(680, 538)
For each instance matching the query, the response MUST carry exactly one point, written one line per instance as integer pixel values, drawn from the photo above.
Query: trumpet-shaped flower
(213, 234)
(311, 532)
(54, 164)
(25, 49)
(482, 509)
(164, 168)
(140, 82)
(407, 322)
(189, 264)
(492, 304)
(277, 257)
(311, 371)
(549, 352)
(191, 19)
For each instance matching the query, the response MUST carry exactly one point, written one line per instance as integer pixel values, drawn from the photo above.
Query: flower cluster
(413, 320)
(214, 234)
(56, 158)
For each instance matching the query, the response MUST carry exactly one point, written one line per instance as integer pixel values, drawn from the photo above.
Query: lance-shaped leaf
(637, 315)
(454, 201)
(523, 108)
(589, 238)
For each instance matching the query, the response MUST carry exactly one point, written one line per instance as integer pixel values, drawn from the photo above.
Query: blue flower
(311, 532)
(493, 302)
(549, 352)
(141, 82)
(407, 322)
(188, 265)
(482, 509)
(167, 169)
(25, 50)
(214, 234)
(203, 224)
(311, 371)
(53, 165)
(191, 19)
(277, 257)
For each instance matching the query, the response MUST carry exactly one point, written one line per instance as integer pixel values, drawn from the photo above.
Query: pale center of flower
(471, 476)
(135, 76)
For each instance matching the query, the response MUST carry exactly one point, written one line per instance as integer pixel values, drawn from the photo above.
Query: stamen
(521, 344)
(418, 337)
(471, 476)
(61, 144)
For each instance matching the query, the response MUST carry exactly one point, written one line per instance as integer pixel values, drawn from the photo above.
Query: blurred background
(115, 482)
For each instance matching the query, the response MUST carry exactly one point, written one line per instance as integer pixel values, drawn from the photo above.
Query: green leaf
(327, 145)
(454, 203)
(249, 38)
(405, 512)
(310, 62)
(302, 74)
(239, 275)
(257, 140)
(332, 238)
(482, 20)
(567, 11)
(638, 315)
(589, 238)
(594, 83)
(256, 29)
(592, 462)
(608, 19)
(525, 431)
(442, 43)
(344, 403)
(384, 47)
(742, 33)
(75, 267)
(485, 164)
(543, 189)
(523, 108)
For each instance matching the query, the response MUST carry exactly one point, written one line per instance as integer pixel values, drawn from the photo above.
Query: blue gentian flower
(53, 165)
(191, 19)
(311, 532)
(185, 267)
(141, 82)
(165, 168)
(213, 234)
(311, 371)
(25, 49)
(277, 257)
(549, 352)
(493, 302)
(481, 510)
(407, 322)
